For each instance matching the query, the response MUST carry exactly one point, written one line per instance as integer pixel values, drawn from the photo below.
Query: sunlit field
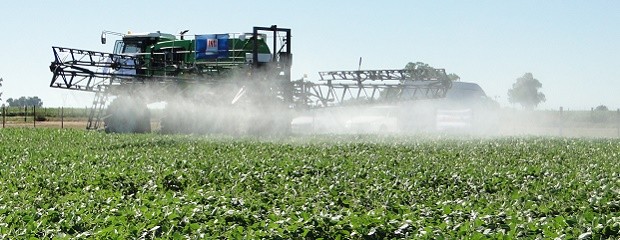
(71, 183)
(589, 124)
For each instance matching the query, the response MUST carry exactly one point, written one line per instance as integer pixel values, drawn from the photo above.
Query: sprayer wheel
(127, 115)
(174, 120)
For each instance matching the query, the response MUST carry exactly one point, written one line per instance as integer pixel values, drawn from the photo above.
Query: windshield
(131, 48)
(464, 94)
(118, 47)
(462, 90)
(126, 47)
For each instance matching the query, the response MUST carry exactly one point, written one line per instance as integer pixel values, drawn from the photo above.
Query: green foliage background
(75, 184)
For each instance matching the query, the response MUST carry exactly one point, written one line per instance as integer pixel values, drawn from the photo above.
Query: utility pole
(3, 110)
(1, 80)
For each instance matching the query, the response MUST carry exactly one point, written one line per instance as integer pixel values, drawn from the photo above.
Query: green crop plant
(61, 183)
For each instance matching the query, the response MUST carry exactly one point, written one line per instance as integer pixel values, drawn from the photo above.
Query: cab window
(131, 48)
(118, 47)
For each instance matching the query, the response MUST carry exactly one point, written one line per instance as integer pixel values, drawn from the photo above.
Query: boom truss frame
(338, 87)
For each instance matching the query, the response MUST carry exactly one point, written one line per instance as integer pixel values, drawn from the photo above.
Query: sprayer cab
(163, 54)
(133, 43)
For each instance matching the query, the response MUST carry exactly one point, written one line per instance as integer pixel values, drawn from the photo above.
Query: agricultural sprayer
(233, 83)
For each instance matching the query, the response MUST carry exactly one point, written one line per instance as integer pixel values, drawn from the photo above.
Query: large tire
(177, 119)
(169, 124)
(271, 121)
(127, 115)
(229, 120)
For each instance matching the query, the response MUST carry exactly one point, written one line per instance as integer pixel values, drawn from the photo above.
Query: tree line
(25, 101)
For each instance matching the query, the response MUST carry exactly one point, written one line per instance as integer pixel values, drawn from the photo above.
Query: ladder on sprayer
(96, 111)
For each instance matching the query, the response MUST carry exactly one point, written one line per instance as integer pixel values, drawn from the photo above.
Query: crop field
(68, 183)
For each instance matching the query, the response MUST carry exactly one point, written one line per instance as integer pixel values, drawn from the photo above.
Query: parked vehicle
(466, 108)
(375, 119)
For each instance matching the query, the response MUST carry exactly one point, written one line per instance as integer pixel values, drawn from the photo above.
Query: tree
(525, 92)
(453, 77)
(416, 65)
(600, 114)
(390, 93)
(421, 65)
(35, 101)
(601, 108)
(23, 101)
(13, 102)
(1, 80)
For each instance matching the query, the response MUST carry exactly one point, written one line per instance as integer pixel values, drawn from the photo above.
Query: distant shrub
(601, 108)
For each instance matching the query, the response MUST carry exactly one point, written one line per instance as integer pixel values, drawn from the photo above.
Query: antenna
(359, 65)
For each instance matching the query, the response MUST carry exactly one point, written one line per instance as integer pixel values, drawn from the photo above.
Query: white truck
(466, 108)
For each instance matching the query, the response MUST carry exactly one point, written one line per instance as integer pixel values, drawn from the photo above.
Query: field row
(73, 183)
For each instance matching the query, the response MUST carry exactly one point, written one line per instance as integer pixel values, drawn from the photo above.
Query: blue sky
(572, 47)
